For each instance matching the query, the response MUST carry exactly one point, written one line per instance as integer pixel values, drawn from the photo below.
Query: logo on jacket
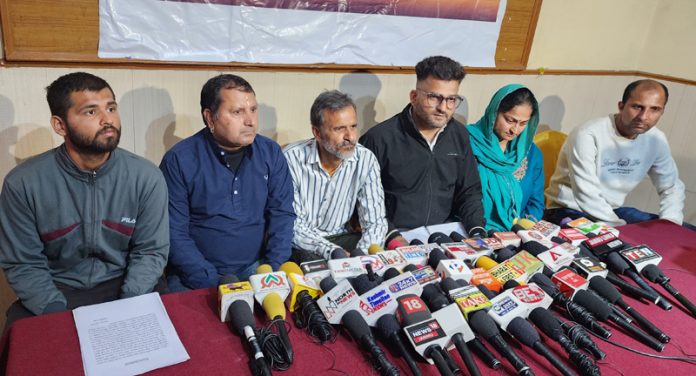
(128, 220)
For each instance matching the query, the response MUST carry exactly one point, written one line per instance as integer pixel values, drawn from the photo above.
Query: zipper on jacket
(91, 241)
(430, 188)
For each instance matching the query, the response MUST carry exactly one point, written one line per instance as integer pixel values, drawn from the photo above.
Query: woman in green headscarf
(510, 165)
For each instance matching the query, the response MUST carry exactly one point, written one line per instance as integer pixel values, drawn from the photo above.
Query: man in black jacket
(429, 172)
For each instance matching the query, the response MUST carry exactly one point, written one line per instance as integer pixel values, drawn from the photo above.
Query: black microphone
(439, 238)
(603, 313)
(655, 275)
(616, 262)
(391, 273)
(504, 254)
(358, 329)
(415, 242)
(457, 237)
(549, 325)
(523, 331)
(390, 330)
(485, 326)
(447, 284)
(608, 292)
(338, 253)
(242, 319)
(576, 312)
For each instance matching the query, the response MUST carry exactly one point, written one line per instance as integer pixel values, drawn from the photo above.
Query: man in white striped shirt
(334, 177)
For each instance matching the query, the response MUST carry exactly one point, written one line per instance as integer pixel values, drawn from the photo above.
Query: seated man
(604, 159)
(429, 172)
(332, 174)
(230, 193)
(86, 222)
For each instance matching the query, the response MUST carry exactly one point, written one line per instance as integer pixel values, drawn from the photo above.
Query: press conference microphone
(339, 253)
(457, 237)
(484, 325)
(391, 273)
(448, 285)
(439, 238)
(358, 329)
(655, 275)
(419, 325)
(357, 252)
(415, 242)
(436, 300)
(393, 240)
(374, 249)
(390, 330)
(575, 311)
(307, 312)
(242, 320)
(608, 292)
(271, 289)
(616, 262)
(523, 331)
(603, 313)
(549, 325)
(477, 231)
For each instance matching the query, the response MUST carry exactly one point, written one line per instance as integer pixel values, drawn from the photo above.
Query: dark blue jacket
(220, 221)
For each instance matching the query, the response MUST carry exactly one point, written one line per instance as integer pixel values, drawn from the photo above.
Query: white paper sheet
(424, 232)
(127, 337)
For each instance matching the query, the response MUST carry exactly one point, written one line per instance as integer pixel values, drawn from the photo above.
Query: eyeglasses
(435, 99)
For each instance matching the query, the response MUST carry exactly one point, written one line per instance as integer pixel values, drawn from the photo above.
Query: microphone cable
(274, 350)
(310, 317)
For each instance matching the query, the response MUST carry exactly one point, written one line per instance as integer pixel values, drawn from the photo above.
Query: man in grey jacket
(86, 222)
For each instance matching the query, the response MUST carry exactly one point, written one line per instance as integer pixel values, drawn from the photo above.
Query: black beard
(94, 146)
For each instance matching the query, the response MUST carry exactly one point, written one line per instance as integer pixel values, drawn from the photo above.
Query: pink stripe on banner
(123, 229)
(477, 10)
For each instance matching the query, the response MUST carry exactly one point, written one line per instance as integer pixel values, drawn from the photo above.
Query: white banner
(387, 32)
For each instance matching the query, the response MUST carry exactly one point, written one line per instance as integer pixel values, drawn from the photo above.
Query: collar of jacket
(220, 152)
(69, 166)
(410, 128)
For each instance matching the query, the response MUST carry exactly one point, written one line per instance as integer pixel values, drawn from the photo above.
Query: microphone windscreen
(439, 238)
(435, 256)
(605, 289)
(362, 284)
(273, 306)
(545, 321)
(477, 232)
(449, 284)
(534, 247)
(526, 223)
(462, 283)
(391, 273)
(388, 325)
(617, 262)
(491, 233)
(327, 284)
(410, 268)
(517, 228)
(416, 242)
(357, 252)
(523, 331)
(290, 268)
(653, 273)
(482, 324)
(226, 279)
(433, 297)
(511, 284)
(374, 249)
(505, 253)
(545, 283)
(558, 240)
(264, 268)
(486, 291)
(338, 253)
(457, 237)
(240, 316)
(356, 325)
(564, 222)
(597, 307)
(486, 263)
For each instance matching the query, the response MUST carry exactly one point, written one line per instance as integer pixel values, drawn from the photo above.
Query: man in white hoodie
(604, 159)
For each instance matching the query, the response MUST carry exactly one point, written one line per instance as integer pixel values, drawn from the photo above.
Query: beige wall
(655, 36)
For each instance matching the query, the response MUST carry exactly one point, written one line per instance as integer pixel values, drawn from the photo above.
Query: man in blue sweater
(230, 192)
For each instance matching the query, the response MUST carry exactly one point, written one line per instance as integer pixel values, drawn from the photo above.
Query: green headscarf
(502, 195)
